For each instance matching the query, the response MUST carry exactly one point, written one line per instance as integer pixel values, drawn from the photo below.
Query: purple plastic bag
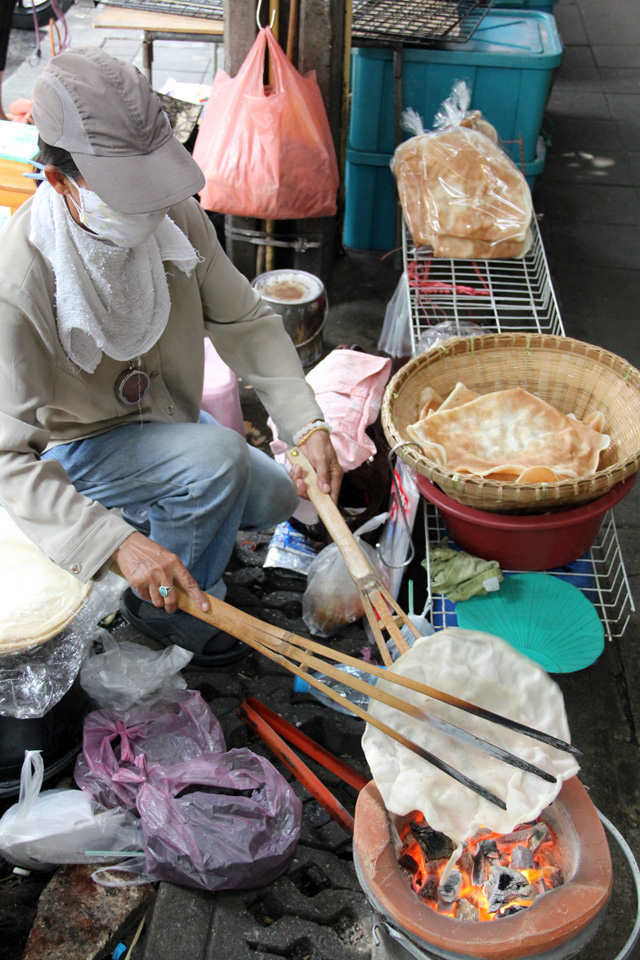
(241, 834)
(168, 730)
(210, 819)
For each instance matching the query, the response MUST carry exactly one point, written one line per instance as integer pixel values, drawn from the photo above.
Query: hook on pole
(273, 16)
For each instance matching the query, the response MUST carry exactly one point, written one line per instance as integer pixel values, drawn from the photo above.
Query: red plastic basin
(532, 542)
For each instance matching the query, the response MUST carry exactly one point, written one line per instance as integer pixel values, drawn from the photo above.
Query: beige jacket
(46, 400)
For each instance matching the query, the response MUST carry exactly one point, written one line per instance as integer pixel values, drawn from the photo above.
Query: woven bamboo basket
(573, 376)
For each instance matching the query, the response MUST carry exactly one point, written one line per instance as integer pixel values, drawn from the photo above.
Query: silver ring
(165, 591)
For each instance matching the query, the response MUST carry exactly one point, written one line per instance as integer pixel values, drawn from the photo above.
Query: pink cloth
(220, 392)
(349, 386)
(20, 110)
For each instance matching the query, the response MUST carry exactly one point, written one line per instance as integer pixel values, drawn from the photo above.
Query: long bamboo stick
(279, 644)
(310, 662)
(237, 623)
(383, 727)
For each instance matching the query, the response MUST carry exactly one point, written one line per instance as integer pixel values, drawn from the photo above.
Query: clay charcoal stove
(544, 887)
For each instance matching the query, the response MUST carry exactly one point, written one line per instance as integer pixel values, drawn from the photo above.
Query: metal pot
(301, 301)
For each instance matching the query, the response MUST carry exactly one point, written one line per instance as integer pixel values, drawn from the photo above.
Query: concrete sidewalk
(588, 199)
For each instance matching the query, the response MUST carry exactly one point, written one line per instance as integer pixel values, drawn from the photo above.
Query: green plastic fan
(542, 616)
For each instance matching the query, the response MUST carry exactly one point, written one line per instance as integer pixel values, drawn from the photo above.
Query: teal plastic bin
(508, 65)
(372, 205)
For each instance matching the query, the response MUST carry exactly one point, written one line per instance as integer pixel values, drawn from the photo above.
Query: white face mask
(123, 229)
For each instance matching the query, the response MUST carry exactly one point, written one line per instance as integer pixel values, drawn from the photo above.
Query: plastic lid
(505, 38)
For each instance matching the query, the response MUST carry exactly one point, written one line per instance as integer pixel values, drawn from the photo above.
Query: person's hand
(148, 566)
(319, 451)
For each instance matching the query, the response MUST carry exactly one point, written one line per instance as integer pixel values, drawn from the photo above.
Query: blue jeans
(199, 482)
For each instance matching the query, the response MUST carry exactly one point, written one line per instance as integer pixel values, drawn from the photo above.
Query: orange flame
(425, 877)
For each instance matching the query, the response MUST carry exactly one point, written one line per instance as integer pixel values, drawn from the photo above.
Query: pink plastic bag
(267, 152)
(210, 818)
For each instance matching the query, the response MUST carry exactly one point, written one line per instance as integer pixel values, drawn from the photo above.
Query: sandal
(211, 647)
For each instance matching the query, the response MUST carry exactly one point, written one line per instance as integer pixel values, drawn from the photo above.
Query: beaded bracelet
(303, 435)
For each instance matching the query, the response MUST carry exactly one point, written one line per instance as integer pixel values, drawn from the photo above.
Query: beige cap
(106, 115)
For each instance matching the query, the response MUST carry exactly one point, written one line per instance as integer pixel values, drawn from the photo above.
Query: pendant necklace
(132, 384)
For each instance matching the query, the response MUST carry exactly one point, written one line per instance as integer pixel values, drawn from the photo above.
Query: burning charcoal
(503, 886)
(511, 909)
(465, 863)
(408, 863)
(539, 833)
(520, 835)
(449, 891)
(522, 858)
(484, 860)
(429, 889)
(436, 846)
(553, 877)
(466, 910)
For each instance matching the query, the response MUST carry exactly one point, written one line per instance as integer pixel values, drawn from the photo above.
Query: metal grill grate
(600, 575)
(500, 295)
(417, 21)
(210, 9)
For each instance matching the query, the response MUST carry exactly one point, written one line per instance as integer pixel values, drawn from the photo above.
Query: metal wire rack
(499, 295)
(210, 9)
(503, 296)
(600, 575)
(417, 21)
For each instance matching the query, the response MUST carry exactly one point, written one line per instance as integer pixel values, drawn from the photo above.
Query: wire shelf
(501, 296)
(417, 21)
(600, 575)
(210, 9)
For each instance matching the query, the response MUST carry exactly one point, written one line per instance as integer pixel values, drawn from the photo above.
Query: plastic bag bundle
(116, 745)
(332, 599)
(126, 673)
(47, 828)
(267, 152)
(460, 193)
(210, 818)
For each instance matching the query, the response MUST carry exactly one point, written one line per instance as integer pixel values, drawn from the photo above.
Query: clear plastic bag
(267, 152)
(47, 828)
(460, 193)
(332, 599)
(439, 332)
(395, 540)
(395, 339)
(211, 818)
(34, 680)
(289, 549)
(126, 673)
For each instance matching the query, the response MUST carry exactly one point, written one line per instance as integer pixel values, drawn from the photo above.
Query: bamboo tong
(302, 656)
(381, 610)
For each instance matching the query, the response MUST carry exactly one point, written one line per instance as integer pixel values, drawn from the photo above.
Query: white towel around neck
(109, 299)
